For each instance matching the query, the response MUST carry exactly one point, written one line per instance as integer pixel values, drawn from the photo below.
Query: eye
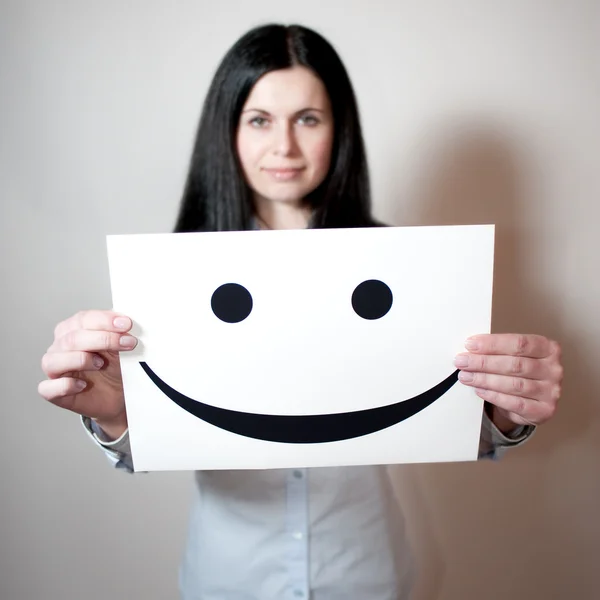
(309, 120)
(372, 299)
(258, 122)
(231, 303)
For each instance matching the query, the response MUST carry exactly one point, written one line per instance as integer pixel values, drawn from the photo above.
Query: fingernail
(121, 322)
(461, 361)
(97, 361)
(465, 377)
(471, 344)
(127, 341)
(80, 384)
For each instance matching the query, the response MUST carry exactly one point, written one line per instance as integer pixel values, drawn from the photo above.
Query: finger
(513, 344)
(514, 386)
(529, 410)
(61, 391)
(531, 368)
(93, 341)
(57, 364)
(97, 320)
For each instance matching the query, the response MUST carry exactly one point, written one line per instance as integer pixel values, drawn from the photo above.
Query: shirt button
(297, 535)
(298, 474)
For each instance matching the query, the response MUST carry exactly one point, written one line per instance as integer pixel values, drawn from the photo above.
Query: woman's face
(285, 135)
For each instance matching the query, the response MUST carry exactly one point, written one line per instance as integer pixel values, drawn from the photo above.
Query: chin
(290, 197)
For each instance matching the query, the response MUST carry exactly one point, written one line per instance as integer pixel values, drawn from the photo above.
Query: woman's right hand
(83, 370)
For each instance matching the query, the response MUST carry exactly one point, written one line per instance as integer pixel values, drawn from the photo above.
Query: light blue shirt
(333, 533)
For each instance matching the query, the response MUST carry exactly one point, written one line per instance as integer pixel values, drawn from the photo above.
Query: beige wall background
(473, 112)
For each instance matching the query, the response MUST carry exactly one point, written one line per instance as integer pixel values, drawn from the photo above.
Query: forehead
(288, 90)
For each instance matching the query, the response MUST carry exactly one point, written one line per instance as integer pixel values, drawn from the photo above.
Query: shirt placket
(297, 533)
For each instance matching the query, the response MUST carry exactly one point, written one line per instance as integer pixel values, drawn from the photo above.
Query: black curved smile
(305, 429)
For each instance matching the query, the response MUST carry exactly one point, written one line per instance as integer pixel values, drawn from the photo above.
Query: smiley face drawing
(301, 348)
(232, 303)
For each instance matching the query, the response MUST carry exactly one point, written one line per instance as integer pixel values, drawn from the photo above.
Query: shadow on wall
(469, 514)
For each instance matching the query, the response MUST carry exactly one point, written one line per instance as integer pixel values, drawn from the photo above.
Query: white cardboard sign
(273, 349)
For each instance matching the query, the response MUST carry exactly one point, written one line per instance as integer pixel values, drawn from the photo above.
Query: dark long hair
(216, 196)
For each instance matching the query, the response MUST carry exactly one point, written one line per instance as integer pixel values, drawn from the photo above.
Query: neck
(281, 215)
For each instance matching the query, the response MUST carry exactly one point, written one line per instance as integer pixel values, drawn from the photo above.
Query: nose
(285, 142)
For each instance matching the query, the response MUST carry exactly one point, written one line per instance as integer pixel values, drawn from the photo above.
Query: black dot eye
(231, 302)
(372, 299)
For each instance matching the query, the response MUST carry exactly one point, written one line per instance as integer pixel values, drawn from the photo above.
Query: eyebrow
(299, 112)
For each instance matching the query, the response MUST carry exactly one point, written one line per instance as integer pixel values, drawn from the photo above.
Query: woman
(279, 146)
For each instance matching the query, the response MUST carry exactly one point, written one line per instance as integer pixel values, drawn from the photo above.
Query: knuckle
(82, 360)
(48, 366)
(518, 384)
(69, 340)
(550, 411)
(555, 348)
(59, 329)
(517, 366)
(522, 344)
(556, 392)
(45, 363)
(481, 363)
(558, 373)
(520, 406)
(80, 317)
(106, 340)
(543, 413)
(488, 395)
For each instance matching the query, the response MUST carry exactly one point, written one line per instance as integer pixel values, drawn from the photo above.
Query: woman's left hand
(520, 375)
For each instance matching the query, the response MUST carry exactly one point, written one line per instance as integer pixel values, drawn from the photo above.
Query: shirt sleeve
(118, 451)
(493, 443)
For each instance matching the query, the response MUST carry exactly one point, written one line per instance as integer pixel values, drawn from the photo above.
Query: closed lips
(282, 169)
(286, 171)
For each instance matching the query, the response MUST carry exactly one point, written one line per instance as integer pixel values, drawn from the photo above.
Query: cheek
(249, 150)
(243, 150)
(320, 154)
